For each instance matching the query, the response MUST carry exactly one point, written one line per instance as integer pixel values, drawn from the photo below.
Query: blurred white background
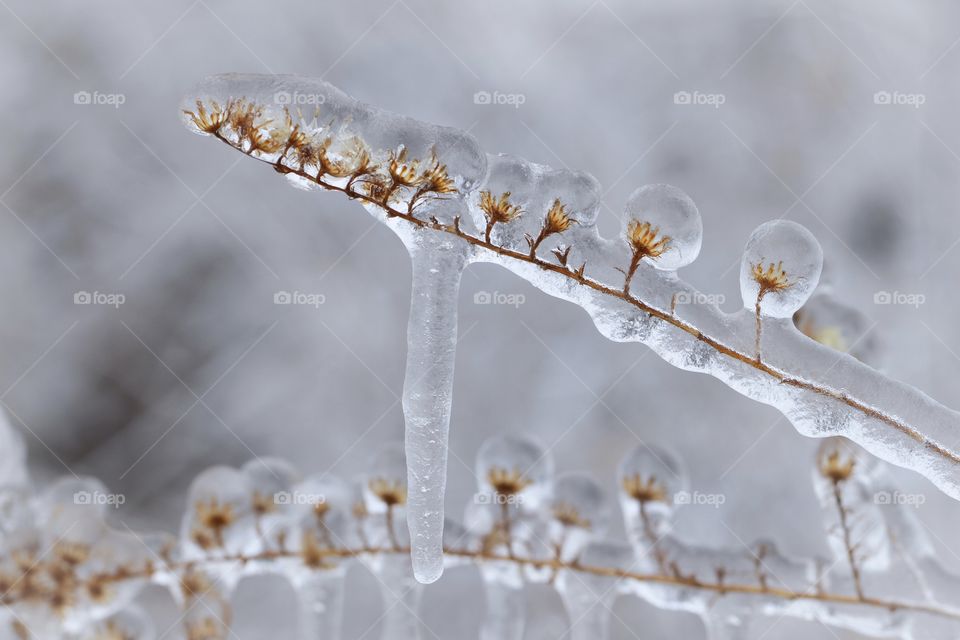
(199, 367)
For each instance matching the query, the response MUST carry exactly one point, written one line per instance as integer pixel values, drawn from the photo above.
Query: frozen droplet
(579, 513)
(671, 218)
(830, 322)
(386, 478)
(579, 498)
(516, 465)
(651, 482)
(780, 268)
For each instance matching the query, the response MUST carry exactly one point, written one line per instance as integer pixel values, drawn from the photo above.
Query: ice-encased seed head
(651, 476)
(579, 502)
(780, 268)
(385, 483)
(663, 225)
(510, 466)
(832, 323)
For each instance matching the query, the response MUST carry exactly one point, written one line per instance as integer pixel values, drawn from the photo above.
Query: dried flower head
(353, 158)
(557, 219)
(772, 279)
(644, 490)
(245, 118)
(194, 584)
(834, 467)
(262, 504)
(208, 121)
(212, 518)
(434, 178)
(645, 240)
(402, 172)
(391, 492)
(498, 209)
(568, 515)
(507, 483)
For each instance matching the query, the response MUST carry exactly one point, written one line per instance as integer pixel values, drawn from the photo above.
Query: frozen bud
(579, 502)
(832, 323)
(323, 503)
(651, 480)
(514, 470)
(839, 460)
(219, 517)
(663, 226)
(385, 483)
(780, 268)
(579, 512)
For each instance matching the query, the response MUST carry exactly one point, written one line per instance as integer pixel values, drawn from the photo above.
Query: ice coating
(673, 214)
(780, 268)
(451, 205)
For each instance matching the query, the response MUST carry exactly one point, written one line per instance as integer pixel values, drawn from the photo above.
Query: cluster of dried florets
(524, 525)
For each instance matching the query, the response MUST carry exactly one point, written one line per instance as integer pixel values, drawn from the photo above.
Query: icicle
(427, 393)
(320, 605)
(401, 599)
(505, 616)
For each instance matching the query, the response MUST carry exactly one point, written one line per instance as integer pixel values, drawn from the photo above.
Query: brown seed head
(391, 492)
(568, 515)
(498, 210)
(835, 468)
(771, 279)
(507, 483)
(644, 490)
(402, 173)
(557, 220)
(645, 241)
(208, 121)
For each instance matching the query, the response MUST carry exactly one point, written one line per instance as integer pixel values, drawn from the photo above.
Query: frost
(452, 205)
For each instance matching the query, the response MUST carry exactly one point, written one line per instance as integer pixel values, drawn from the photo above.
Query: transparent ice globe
(780, 268)
(665, 220)
(653, 478)
(511, 466)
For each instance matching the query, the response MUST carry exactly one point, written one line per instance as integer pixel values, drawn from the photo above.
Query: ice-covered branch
(524, 525)
(451, 204)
